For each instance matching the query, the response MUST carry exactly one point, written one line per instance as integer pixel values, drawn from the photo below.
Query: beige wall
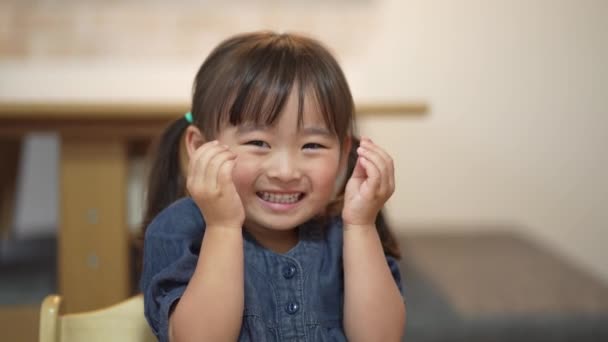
(517, 133)
(519, 128)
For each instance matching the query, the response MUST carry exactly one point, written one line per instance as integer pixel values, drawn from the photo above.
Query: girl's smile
(280, 198)
(280, 207)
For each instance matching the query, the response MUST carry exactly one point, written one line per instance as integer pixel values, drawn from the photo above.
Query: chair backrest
(122, 322)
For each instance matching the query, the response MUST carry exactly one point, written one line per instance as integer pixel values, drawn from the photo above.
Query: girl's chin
(280, 217)
(276, 226)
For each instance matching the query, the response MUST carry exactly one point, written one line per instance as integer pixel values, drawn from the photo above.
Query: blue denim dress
(296, 296)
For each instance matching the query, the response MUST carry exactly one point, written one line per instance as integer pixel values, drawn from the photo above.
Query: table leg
(94, 266)
(10, 151)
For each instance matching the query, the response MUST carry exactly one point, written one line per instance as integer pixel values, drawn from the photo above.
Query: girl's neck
(277, 241)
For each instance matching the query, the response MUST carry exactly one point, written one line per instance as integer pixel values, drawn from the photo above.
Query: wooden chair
(122, 322)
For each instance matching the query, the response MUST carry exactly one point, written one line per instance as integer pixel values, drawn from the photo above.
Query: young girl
(274, 238)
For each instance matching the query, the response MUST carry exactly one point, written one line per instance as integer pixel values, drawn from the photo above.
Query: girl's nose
(284, 168)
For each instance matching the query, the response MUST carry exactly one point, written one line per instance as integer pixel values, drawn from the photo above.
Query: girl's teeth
(280, 198)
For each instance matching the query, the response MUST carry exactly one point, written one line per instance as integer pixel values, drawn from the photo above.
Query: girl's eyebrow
(315, 130)
(311, 130)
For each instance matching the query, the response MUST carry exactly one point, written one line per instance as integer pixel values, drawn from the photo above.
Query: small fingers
(373, 175)
(382, 160)
(381, 169)
(197, 159)
(367, 143)
(199, 165)
(214, 167)
(358, 170)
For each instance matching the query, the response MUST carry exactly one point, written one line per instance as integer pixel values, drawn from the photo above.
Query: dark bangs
(259, 72)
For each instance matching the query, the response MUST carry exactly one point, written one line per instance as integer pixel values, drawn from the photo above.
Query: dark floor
(27, 274)
(497, 287)
(27, 270)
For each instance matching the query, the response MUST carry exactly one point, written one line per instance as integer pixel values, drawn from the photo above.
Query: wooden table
(96, 141)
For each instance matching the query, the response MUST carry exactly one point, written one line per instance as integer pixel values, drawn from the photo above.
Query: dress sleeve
(393, 264)
(171, 248)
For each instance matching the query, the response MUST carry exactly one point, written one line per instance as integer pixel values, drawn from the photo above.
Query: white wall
(517, 132)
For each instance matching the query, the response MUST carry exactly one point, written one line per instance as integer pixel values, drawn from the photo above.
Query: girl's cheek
(243, 174)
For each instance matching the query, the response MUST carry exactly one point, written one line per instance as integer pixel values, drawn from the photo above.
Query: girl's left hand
(370, 186)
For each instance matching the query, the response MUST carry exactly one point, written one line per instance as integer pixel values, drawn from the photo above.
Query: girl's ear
(193, 139)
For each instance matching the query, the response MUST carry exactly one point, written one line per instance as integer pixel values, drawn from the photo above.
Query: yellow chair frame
(122, 322)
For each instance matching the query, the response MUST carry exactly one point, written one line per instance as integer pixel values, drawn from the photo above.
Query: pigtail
(389, 242)
(166, 182)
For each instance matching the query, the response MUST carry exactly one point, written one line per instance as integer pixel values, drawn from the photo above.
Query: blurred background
(494, 111)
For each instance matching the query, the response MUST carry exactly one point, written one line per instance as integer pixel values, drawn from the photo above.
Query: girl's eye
(257, 143)
(313, 146)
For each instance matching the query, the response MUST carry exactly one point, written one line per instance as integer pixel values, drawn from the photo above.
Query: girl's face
(285, 174)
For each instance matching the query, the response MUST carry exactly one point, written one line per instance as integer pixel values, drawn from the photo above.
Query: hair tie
(188, 117)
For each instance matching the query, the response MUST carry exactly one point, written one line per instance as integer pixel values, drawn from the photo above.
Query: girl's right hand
(211, 187)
